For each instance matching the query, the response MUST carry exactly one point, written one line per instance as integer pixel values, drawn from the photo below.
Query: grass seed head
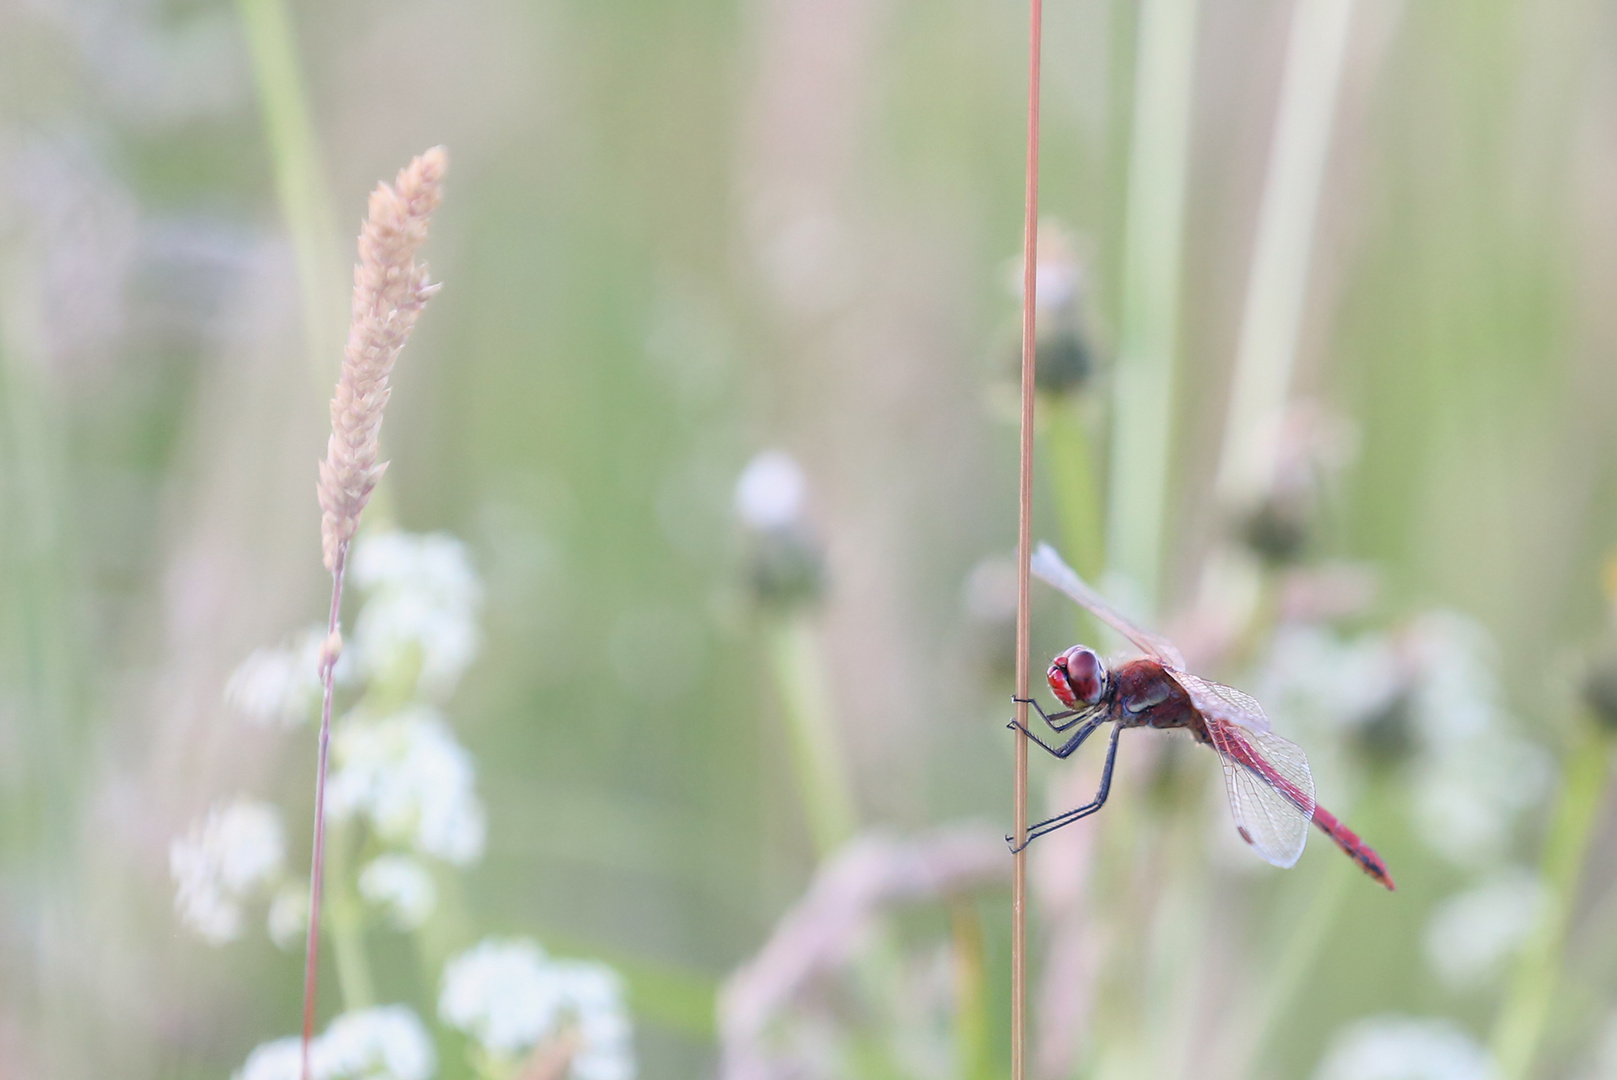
(390, 289)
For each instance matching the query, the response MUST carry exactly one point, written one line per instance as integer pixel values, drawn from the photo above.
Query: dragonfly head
(1078, 678)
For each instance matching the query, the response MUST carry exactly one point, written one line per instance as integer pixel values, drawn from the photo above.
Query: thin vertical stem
(1024, 545)
(1519, 1026)
(1277, 284)
(822, 776)
(299, 181)
(1143, 413)
(328, 665)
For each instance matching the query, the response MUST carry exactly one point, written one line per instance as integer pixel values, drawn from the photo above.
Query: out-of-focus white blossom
(384, 1043)
(771, 491)
(289, 915)
(594, 994)
(1470, 936)
(1457, 696)
(1472, 775)
(222, 861)
(501, 993)
(279, 686)
(1396, 1047)
(412, 780)
(1315, 677)
(509, 996)
(1057, 273)
(388, 1042)
(421, 604)
(1467, 795)
(278, 1060)
(402, 887)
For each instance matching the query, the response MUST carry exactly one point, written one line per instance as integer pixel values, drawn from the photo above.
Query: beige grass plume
(390, 289)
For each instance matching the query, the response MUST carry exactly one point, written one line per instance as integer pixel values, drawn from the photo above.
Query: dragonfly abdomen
(1357, 849)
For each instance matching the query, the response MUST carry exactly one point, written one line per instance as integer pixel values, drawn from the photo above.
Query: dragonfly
(1270, 788)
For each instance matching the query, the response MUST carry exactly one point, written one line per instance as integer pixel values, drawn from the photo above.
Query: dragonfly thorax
(1078, 678)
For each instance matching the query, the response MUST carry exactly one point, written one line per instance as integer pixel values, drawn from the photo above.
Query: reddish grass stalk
(390, 289)
(328, 665)
(1024, 545)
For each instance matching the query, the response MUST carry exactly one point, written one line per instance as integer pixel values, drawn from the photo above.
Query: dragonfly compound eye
(1085, 674)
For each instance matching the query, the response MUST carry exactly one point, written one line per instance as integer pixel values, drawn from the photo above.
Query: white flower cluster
(384, 1043)
(1315, 678)
(771, 491)
(1471, 936)
(279, 687)
(401, 887)
(421, 604)
(408, 776)
(236, 853)
(1404, 1048)
(510, 997)
(1473, 775)
(289, 915)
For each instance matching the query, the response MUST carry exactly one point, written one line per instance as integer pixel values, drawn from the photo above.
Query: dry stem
(1024, 546)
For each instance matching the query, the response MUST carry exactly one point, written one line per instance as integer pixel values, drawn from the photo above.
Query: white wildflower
(278, 1060)
(384, 1043)
(1404, 1048)
(289, 915)
(1468, 795)
(771, 491)
(1473, 776)
(502, 993)
(1057, 274)
(402, 887)
(1457, 697)
(1470, 936)
(280, 686)
(509, 996)
(415, 783)
(1315, 677)
(420, 613)
(594, 994)
(222, 861)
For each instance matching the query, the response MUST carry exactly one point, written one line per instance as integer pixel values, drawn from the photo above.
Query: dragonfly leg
(1052, 824)
(1065, 749)
(1051, 720)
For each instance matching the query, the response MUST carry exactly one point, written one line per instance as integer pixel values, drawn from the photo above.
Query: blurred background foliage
(678, 234)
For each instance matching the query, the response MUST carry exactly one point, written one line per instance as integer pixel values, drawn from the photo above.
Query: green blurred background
(675, 235)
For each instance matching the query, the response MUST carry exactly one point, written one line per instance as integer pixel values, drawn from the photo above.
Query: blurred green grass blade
(673, 998)
(37, 598)
(299, 179)
(1520, 1023)
(822, 777)
(1152, 267)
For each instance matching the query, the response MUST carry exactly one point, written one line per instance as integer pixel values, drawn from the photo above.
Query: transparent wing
(1223, 702)
(1049, 567)
(1270, 788)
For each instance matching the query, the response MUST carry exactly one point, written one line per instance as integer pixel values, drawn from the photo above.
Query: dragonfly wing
(1270, 787)
(1049, 567)
(1223, 702)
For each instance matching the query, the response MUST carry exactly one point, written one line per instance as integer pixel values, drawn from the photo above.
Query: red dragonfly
(1270, 787)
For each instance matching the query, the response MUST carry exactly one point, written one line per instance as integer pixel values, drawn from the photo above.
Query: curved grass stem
(817, 757)
(1519, 1025)
(345, 922)
(299, 178)
(328, 666)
